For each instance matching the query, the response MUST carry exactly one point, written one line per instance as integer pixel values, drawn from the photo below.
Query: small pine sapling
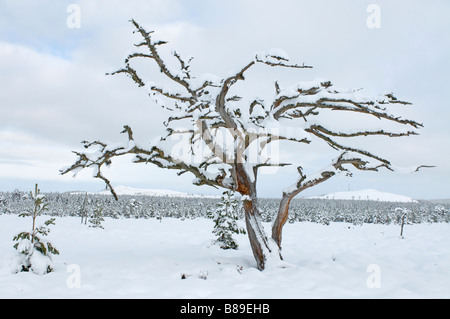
(34, 253)
(225, 221)
(97, 217)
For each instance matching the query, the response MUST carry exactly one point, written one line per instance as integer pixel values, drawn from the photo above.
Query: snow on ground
(368, 194)
(145, 258)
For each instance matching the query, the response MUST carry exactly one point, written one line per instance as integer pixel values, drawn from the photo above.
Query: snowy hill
(125, 190)
(368, 194)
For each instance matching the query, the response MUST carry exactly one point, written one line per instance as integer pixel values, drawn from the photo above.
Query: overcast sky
(54, 92)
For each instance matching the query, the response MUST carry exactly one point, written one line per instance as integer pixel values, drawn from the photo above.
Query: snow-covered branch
(154, 54)
(104, 154)
(308, 98)
(277, 57)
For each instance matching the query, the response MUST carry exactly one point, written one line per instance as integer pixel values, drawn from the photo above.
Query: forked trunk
(282, 216)
(283, 210)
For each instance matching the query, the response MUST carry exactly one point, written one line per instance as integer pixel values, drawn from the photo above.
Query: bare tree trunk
(282, 216)
(83, 209)
(283, 210)
(255, 231)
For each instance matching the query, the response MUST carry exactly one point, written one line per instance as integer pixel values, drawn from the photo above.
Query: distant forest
(322, 211)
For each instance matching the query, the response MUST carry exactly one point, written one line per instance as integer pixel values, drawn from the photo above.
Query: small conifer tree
(225, 221)
(34, 253)
(97, 217)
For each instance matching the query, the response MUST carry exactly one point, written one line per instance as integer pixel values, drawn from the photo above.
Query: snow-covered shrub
(35, 253)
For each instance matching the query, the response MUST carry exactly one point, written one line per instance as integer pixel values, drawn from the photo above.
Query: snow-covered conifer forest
(322, 211)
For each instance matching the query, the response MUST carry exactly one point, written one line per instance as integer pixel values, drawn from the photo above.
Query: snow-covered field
(145, 258)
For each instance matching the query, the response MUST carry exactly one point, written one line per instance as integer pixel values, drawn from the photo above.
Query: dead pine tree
(84, 209)
(225, 137)
(403, 213)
